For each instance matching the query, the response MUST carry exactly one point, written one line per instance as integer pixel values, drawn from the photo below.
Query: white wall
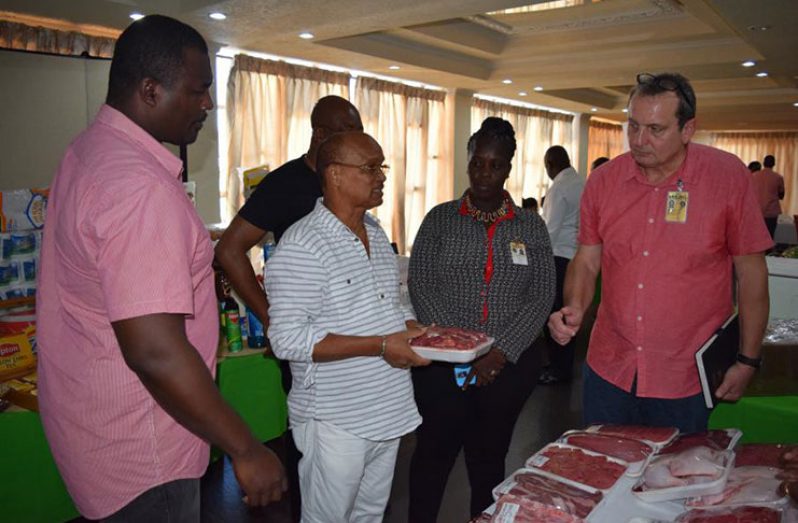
(45, 101)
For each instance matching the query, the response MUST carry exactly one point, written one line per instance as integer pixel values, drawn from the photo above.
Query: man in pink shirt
(769, 190)
(665, 224)
(126, 310)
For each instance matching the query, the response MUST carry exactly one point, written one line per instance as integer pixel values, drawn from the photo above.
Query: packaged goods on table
(762, 454)
(746, 486)
(696, 471)
(529, 484)
(583, 467)
(732, 515)
(657, 436)
(517, 509)
(633, 451)
(719, 439)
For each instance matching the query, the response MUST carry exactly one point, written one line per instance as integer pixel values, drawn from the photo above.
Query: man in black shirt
(283, 197)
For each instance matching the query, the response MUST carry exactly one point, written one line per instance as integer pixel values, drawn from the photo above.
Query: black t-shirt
(285, 195)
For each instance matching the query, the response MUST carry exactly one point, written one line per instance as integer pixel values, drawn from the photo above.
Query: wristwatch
(751, 362)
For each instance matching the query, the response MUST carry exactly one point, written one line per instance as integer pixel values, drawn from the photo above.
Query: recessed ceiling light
(758, 27)
(136, 16)
(218, 16)
(538, 88)
(507, 81)
(394, 67)
(593, 109)
(306, 36)
(761, 74)
(748, 63)
(795, 104)
(522, 93)
(625, 110)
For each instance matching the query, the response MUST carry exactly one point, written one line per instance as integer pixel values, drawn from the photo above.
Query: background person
(655, 258)
(126, 311)
(769, 187)
(463, 273)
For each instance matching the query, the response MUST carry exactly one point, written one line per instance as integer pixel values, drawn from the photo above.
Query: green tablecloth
(763, 419)
(33, 491)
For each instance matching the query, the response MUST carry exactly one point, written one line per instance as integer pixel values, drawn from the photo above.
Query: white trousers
(343, 478)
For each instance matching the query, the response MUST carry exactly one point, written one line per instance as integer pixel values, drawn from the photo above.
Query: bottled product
(232, 324)
(256, 337)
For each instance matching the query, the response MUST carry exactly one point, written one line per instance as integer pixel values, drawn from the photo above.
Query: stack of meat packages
(568, 480)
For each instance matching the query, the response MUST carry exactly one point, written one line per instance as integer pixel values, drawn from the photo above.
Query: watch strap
(751, 362)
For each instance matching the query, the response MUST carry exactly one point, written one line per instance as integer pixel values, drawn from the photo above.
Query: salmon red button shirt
(121, 240)
(666, 285)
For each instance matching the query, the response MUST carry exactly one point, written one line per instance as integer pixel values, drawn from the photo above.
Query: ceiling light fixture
(795, 104)
(761, 74)
(538, 88)
(522, 93)
(593, 109)
(507, 81)
(217, 16)
(625, 110)
(748, 63)
(136, 16)
(758, 27)
(394, 67)
(306, 36)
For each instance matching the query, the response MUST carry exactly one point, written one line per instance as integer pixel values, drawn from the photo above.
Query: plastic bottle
(256, 336)
(232, 324)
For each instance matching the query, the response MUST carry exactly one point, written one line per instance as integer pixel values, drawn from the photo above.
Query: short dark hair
(529, 203)
(754, 166)
(494, 128)
(601, 160)
(769, 161)
(150, 48)
(558, 156)
(652, 85)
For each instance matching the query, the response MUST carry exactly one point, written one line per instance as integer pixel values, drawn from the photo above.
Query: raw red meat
(482, 518)
(714, 439)
(746, 485)
(554, 493)
(449, 338)
(516, 509)
(575, 464)
(731, 515)
(688, 467)
(658, 435)
(762, 454)
(627, 449)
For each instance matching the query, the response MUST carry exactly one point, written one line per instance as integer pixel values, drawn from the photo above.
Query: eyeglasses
(373, 170)
(667, 84)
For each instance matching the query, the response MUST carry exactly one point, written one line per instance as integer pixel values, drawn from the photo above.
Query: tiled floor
(549, 412)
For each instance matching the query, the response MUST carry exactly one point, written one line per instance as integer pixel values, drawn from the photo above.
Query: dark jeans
(292, 454)
(561, 357)
(174, 502)
(603, 402)
(480, 420)
(771, 225)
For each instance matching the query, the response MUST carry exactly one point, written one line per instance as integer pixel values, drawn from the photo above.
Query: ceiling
(584, 56)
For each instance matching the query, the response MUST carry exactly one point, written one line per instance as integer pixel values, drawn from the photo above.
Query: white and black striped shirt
(320, 281)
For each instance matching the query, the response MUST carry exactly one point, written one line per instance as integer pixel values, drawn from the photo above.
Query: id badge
(461, 373)
(676, 207)
(518, 252)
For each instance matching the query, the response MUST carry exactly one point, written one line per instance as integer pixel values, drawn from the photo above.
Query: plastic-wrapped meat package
(449, 338)
(626, 449)
(578, 465)
(746, 485)
(688, 467)
(555, 494)
(516, 509)
(482, 518)
(656, 435)
(719, 439)
(761, 454)
(731, 515)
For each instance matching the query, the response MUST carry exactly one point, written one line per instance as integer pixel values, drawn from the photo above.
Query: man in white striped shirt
(333, 290)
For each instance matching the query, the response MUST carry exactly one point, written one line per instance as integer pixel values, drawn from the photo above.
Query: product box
(23, 209)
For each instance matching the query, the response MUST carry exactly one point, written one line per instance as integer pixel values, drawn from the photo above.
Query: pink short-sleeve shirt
(121, 240)
(666, 286)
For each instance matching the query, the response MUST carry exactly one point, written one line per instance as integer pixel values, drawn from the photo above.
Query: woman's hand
(486, 368)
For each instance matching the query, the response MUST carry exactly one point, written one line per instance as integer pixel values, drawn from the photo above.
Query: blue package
(461, 373)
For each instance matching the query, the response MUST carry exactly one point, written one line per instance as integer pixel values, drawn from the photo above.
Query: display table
(33, 491)
(766, 419)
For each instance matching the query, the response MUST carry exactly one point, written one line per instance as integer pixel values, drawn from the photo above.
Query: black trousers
(174, 502)
(561, 357)
(771, 225)
(292, 454)
(479, 420)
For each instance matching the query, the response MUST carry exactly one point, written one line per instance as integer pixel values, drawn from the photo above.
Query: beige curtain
(604, 139)
(755, 146)
(535, 131)
(268, 111)
(410, 125)
(23, 37)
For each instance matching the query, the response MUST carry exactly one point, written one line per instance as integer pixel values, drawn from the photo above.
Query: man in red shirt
(769, 190)
(665, 224)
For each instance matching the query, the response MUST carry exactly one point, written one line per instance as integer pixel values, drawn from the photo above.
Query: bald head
(331, 114)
